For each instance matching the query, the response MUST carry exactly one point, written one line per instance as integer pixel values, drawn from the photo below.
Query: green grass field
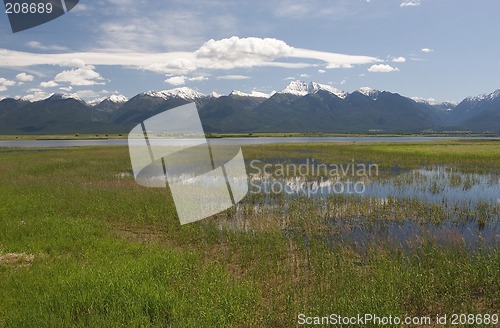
(83, 245)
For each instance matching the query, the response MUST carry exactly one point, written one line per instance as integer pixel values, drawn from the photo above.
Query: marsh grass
(83, 245)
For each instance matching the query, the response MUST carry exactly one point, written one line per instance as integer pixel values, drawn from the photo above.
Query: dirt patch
(17, 259)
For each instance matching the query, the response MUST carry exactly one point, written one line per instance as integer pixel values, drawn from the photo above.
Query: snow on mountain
(428, 101)
(184, 93)
(485, 96)
(215, 95)
(300, 88)
(446, 105)
(116, 99)
(369, 92)
(254, 94)
(72, 96)
(297, 88)
(315, 87)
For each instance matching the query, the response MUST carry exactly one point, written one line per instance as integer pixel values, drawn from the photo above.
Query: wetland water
(405, 209)
(237, 141)
(461, 208)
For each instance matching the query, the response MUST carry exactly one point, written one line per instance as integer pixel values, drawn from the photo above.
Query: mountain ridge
(300, 107)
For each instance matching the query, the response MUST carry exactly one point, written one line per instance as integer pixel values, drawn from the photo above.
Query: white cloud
(69, 88)
(399, 59)
(37, 45)
(321, 71)
(176, 80)
(36, 95)
(85, 94)
(289, 78)
(333, 60)
(80, 76)
(382, 68)
(198, 78)
(180, 80)
(343, 82)
(4, 84)
(410, 3)
(426, 50)
(245, 52)
(233, 77)
(49, 84)
(228, 53)
(24, 77)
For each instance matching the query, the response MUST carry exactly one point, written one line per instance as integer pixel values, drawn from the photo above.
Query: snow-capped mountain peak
(255, 94)
(297, 88)
(428, 101)
(184, 93)
(369, 92)
(485, 96)
(117, 99)
(68, 96)
(433, 102)
(315, 87)
(300, 88)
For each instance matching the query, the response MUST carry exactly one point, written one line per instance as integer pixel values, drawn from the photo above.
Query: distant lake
(240, 141)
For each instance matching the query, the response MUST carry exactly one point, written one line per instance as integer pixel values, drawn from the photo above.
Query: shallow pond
(473, 196)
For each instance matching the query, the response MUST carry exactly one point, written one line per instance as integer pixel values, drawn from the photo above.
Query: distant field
(83, 245)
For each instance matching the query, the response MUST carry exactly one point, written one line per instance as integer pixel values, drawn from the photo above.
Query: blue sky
(441, 49)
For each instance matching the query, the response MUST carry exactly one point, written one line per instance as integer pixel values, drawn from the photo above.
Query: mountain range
(300, 107)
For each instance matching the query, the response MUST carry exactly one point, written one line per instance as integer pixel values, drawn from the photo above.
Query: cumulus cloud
(23, 77)
(79, 77)
(176, 80)
(36, 95)
(399, 59)
(69, 88)
(180, 80)
(238, 52)
(382, 68)
(4, 84)
(49, 84)
(85, 94)
(426, 50)
(410, 3)
(250, 48)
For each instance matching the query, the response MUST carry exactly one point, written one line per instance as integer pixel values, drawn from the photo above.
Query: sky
(441, 49)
